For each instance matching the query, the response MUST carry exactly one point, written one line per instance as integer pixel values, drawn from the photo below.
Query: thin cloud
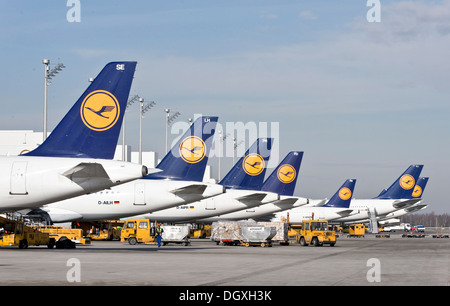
(307, 15)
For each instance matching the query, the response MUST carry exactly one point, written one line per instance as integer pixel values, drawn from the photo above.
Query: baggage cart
(258, 235)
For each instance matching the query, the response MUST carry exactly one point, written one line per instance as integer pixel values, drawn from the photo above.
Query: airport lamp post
(142, 111)
(141, 107)
(48, 75)
(219, 153)
(129, 103)
(234, 148)
(167, 125)
(46, 62)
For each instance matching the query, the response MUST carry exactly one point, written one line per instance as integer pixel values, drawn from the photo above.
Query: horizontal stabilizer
(415, 208)
(190, 189)
(403, 204)
(86, 170)
(254, 197)
(286, 201)
(345, 212)
(318, 203)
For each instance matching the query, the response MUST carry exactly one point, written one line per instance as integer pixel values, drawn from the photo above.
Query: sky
(362, 99)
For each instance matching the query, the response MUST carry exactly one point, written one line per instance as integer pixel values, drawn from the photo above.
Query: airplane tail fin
(248, 173)
(283, 179)
(420, 187)
(343, 196)
(403, 187)
(188, 157)
(91, 128)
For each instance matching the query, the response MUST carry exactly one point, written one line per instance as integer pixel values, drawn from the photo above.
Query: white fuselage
(137, 197)
(31, 181)
(359, 210)
(284, 203)
(205, 210)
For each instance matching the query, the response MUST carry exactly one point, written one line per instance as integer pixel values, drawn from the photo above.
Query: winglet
(91, 128)
(188, 157)
(403, 187)
(248, 173)
(343, 196)
(284, 177)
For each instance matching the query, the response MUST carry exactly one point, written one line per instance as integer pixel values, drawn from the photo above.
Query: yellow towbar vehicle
(315, 232)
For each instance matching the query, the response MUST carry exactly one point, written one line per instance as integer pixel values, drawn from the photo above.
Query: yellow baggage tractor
(315, 232)
(16, 233)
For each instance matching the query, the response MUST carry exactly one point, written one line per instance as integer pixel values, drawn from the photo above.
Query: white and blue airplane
(281, 181)
(392, 218)
(179, 182)
(76, 158)
(397, 196)
(336, 207)
(243, 190)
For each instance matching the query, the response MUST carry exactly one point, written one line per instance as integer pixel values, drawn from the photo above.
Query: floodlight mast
(48, 75)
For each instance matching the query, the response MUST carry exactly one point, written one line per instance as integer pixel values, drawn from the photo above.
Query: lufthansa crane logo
(253, 164)
(286, 173)
(100, 110)
(407, 182)
(192, 149)
(345, 193)
(417, 192)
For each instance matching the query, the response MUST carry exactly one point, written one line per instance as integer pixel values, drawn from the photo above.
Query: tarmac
(368, 261)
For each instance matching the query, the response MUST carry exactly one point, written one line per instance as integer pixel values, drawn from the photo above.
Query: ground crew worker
(159, 232)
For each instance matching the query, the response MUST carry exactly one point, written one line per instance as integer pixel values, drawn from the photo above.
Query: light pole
(48, 75)
(234, 148)
(142, 111)
(167, 125)
(219, 153)
(141, 107)
(46, 62)
(129, 103)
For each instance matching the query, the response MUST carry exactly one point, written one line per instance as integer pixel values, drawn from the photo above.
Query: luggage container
(175, 234)
(228, 232)
(258, 235)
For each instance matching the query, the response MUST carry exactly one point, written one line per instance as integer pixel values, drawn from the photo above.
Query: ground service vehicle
(16, 233)
(58, 232)
(316, 232)
(356, 230)
(201, 231)
(105, 230)
(138, 231)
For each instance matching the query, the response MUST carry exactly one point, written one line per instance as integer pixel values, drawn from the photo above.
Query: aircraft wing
(405, 203)
(189, 190)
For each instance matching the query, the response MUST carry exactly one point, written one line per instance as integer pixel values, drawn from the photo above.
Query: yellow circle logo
(253, 164)
(417, 192)
(345, 193)
(192, 149)
(100, 110)
(286, 173)
(407, 182)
